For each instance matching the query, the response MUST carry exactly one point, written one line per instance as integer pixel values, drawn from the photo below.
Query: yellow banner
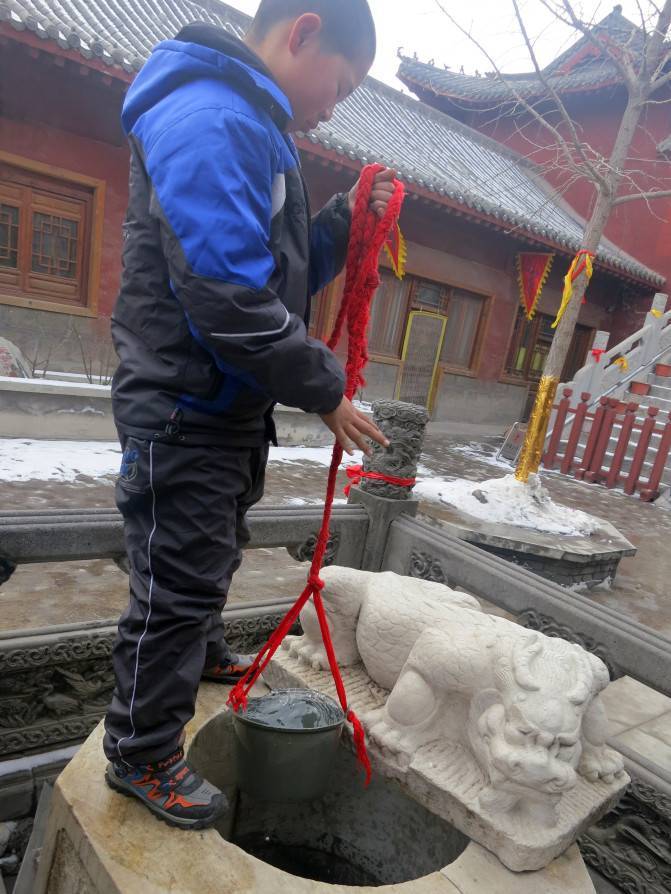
(582, 263)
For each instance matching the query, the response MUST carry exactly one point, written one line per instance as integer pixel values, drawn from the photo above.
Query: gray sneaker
(234, 670)
(171, 790)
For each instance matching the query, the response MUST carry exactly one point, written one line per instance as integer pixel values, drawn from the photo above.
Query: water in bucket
(285, 744)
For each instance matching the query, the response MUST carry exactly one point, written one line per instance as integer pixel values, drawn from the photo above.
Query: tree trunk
(532, 451)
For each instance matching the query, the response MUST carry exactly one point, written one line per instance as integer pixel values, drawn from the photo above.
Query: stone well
(99, 842)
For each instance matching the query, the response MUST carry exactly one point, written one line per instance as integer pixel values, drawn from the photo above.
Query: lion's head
(526, 732)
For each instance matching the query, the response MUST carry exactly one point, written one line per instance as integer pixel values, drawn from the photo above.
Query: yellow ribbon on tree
(582, 263)
(657, 313)
(622, 363)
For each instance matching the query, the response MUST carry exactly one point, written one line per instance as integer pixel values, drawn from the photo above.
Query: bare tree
(96, 351)
(642, 58)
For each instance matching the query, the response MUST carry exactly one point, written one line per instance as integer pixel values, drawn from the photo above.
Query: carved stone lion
(526, 706)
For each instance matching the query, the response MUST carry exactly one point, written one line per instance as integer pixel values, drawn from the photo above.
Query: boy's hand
(350, 425)
(383, 190)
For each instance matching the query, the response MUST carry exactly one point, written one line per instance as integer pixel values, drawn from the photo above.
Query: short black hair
(348, 26)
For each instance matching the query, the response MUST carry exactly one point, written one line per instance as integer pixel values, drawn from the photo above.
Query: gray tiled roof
(452, 160)
(593, 73)
(471, 90)
(119, 32)
(376, 123)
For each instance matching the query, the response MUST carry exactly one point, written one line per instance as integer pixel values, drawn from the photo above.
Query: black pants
(184, 521)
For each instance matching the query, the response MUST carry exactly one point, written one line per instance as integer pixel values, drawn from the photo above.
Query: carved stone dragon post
(405, 427)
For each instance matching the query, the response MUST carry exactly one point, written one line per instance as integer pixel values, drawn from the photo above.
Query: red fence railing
(589, 446)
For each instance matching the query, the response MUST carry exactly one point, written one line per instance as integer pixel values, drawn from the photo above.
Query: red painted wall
(58, 117)
(452, 250)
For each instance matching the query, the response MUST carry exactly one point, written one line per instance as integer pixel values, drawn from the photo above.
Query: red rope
(368, 234)
(356, 473)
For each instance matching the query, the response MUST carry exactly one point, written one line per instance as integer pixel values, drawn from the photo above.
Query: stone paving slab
(630, 704)
(649, 747)
(660, 728)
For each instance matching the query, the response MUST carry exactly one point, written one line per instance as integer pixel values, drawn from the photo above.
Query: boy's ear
(305, 29)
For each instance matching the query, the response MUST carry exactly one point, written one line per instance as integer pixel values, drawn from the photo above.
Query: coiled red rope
(368, 234)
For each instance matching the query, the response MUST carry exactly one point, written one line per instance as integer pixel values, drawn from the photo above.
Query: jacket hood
(204, 51)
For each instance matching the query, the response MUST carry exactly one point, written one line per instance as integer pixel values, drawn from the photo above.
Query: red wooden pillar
(613, 478)
(576, 431)
(641, 451)
(593, 439)
(651, 490)
(550, 457)
(595, 473)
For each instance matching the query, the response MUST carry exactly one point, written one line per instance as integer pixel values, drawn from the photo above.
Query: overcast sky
(420, 27)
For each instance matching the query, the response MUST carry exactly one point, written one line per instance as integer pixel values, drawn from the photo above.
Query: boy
(220, 261)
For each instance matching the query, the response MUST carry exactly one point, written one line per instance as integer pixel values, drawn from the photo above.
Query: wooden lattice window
(465, 312)
(388, 316)
(46, 239)
(465, 324)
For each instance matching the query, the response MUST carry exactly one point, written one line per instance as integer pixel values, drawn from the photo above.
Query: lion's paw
(310, 653)
(600, 763)
(390, 740)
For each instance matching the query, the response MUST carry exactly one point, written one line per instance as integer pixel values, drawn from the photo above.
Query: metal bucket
(285, 744)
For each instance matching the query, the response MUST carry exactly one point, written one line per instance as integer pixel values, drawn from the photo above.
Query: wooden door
(421, 353)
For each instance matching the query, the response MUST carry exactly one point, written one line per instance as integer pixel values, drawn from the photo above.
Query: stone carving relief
(509, 721)
(304, 552)
(56, 692)
(52, 703)
(404, 425)
(425, 567)
(631, 846)
(535, 620)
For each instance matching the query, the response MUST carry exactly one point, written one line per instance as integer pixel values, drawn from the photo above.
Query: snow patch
(509, 502)
(482, 453)
(23, 459)
(319, 455)
(66, 461)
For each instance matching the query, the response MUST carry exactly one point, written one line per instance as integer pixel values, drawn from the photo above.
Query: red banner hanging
(396, 249)
(533, 269)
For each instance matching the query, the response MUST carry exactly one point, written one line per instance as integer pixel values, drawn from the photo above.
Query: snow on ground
(508, 501)
(483, 453)
(319, 455)
(29, 460)
(23, 459)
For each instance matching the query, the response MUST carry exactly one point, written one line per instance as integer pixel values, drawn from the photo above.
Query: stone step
(646, 470)
(664, 407)
(659, 381)
(654, 440)
(644, 401)
(659, 391)
(628, 459)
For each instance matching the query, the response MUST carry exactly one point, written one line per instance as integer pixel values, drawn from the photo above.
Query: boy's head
(319, 51)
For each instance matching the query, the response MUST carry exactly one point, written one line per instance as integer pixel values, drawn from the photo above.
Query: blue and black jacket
(220, 255)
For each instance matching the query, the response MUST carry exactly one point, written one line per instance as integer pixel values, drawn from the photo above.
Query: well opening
(351, 836)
